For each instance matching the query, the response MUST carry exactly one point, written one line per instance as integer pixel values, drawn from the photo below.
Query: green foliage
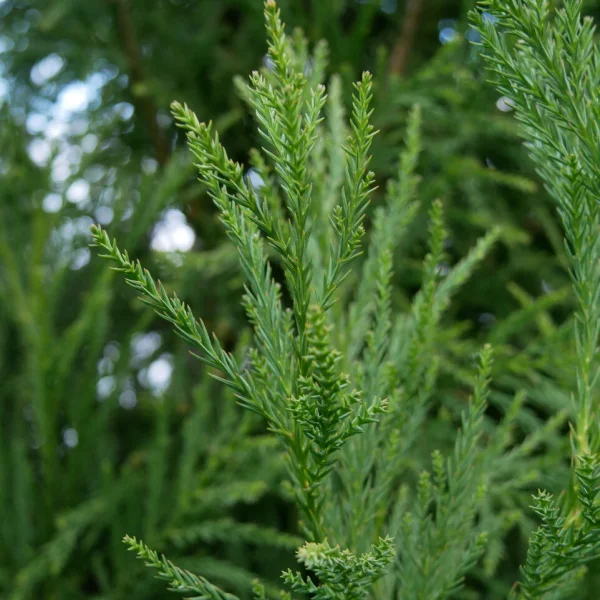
(550, 80)
(550, 76)
(407, 465)
(178, 579)
(557, 548)
(79, 464)
(341, 574)
(348, 450)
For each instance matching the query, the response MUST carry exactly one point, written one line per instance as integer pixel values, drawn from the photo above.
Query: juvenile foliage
(341, 574)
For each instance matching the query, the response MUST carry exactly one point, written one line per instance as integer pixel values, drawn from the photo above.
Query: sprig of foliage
(557, 548)
(341, 573)
(550, 77)
(288, 393)
(343, 381)
(545, 62)
(179, 580)
(175, 311)
(441, 547)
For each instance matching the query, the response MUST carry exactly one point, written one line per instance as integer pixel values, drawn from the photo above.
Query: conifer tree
(342, 384)
(352, 355)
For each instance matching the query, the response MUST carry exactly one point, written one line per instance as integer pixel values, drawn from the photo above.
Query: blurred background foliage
(107, 425)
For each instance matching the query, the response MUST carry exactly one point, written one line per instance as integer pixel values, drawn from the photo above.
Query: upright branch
(294, 381)
(546, 62)
(551, 77)
(347, 218)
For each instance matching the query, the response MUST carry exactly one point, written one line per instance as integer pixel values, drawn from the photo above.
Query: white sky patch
(79, 126)
(124, 110)
(112, 351)
(80, 259)
(489, 17)
(4, 88)
(52, 203)
(159, 374)
(172, 233)
(448, 34)
(268, 62)
(163, 119)
(447, 29)
(39, 151)
(144, 345)
(128, 399)
(6, 43)
(74, 97)
(505, 104)
(105, 366)
(104, 215)
(149, 166)
(56, 129)
(256, 181)
(36, 123)
(89, 143)
(46, 69)
(105, 387)
(70, 437)
(78, 191)
(94, 173)
(82, 226)
(61, 168)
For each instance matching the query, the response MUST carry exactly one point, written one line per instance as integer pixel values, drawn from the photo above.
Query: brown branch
(401, 51)
(144, 103)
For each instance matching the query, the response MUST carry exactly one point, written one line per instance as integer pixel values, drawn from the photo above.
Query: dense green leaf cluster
(347, 487)
(366, 435)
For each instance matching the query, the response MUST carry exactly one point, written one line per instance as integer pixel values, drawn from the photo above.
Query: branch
(144, 103)
(403, 47)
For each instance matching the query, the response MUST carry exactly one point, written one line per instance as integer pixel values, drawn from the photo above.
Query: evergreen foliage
(376, 432)
(348, 437)
(74, 469)
(549, 73)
